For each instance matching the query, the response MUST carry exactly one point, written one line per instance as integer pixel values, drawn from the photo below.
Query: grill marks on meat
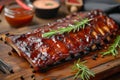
(41, 52)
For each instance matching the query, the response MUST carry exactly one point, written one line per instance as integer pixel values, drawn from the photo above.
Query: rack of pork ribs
(41, 52)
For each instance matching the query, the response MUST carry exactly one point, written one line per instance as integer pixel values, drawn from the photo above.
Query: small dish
(74, 5)
(46, 8)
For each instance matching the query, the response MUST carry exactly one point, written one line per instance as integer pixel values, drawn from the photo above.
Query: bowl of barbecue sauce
(46, 8)
(17, 16)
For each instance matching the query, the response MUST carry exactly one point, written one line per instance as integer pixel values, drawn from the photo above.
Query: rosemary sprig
(82, 71)
(113, 47)
(75, 27)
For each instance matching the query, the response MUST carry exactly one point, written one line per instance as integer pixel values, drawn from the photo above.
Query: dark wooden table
(110, 68)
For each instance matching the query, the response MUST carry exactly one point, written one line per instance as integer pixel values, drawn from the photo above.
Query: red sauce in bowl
(18, 16)
(74, 1)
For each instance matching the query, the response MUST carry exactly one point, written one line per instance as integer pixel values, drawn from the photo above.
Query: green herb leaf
(113, 47)
(82, 71)
(76, 27)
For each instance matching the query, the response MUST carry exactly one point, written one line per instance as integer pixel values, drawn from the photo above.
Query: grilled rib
(41, 52)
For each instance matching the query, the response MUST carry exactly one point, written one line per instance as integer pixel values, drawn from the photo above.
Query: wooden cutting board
(102, 66)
